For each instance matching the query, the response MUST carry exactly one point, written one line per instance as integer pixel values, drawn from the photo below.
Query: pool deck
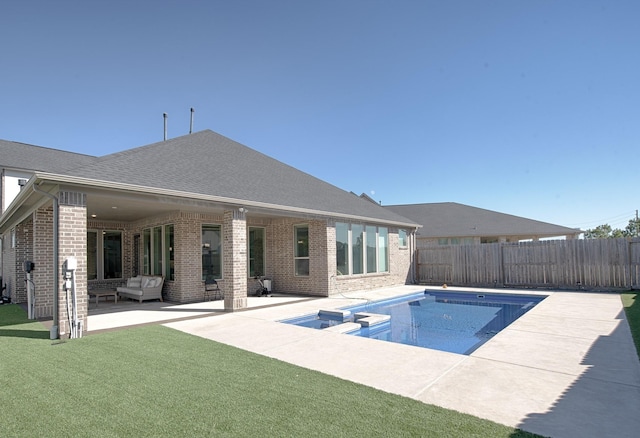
(567, 368)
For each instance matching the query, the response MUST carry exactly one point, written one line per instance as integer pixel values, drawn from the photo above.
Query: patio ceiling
(109, 206)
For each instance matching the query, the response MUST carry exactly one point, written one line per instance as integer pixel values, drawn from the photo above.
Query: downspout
(412, 256)
(54, 333)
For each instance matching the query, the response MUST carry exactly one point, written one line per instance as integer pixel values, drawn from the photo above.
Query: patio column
(42, 275)
(72, 242)
(234, 264)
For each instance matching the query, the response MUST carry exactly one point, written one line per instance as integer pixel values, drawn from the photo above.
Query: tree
(599, 232)
(605, 231)
(633, 229)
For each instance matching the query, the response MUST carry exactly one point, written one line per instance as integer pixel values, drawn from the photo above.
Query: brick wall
(23, 252)
(43, 272)
(73, 242)
(279, 263)
(8, 266)
(280, 255)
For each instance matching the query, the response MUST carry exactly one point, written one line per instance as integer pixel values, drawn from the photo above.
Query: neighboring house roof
(26, 157)
(214, 167)
(450, 219)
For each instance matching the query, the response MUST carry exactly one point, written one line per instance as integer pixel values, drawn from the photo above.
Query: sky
(525, 107)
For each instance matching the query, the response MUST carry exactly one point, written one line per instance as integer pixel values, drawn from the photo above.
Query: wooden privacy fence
(596, 264)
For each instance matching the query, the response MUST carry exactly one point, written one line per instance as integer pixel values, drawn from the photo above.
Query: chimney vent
(165, 125)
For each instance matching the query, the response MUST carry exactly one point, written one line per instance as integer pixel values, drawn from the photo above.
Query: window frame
(220, 251)
(362, 258)
(342, 253)
(158, 257)
(403, 240)
(252, 271)
(100, 254)
(299, 259)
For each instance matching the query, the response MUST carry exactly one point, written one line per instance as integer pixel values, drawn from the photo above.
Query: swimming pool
(458, 322)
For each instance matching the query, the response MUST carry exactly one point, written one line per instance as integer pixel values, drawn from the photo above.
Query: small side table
(103, 293)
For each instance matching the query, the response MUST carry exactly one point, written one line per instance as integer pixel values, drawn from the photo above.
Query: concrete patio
(567, 368)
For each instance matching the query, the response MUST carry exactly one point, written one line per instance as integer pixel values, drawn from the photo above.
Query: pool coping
(568, 367)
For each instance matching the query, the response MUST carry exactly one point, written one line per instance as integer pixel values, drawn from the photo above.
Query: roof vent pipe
(191, 121)
(165, 125)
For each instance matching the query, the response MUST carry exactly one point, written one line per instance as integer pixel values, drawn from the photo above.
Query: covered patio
(109, 315)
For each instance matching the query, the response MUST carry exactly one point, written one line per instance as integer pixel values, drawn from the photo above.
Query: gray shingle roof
(450, 219)
(21, 156)
(208, 163)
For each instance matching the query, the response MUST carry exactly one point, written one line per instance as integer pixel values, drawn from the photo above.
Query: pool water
(457, 322)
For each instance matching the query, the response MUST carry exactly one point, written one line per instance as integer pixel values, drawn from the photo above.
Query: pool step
(360, 319)
(343, 328)
(370, 319)
(337, 314)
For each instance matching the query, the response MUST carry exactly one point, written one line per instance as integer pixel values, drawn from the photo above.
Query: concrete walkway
(567, 368)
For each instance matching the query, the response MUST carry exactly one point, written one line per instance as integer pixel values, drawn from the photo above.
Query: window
(357, 261)
(301, 250)
(157, 243)
(256, 242)
(104, 254)
(211, 251)
(361, 249)
(402, 239)
(92, 255)
(157, 260)
(371, 249)
(169, 272)
(342, 249)
(146, 251)
(383, 249)
(112, 254)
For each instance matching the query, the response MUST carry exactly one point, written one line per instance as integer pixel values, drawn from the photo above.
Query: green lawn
(155, 381)
(631, 302)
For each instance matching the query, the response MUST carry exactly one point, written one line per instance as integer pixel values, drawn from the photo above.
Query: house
(450, 223)
(187, 209)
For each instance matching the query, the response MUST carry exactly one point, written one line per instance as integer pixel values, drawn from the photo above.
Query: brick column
(72, 223)
(235, 260)
(42, 275)
(23, 251)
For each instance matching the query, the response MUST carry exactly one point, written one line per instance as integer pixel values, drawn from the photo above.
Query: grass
(155, 381)
(631, 303)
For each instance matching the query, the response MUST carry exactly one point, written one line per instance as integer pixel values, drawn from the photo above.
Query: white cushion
(134, 282)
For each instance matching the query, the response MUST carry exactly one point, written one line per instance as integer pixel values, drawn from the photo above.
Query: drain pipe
(54, 333)
(412, 257)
